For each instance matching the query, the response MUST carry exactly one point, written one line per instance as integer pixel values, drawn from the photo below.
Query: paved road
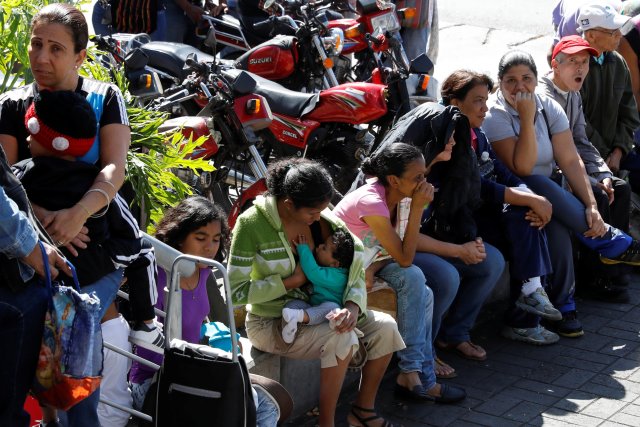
(530, 16)
(475, 34)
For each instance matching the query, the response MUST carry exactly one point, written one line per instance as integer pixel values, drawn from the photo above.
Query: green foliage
(152, 157)
(15, 19)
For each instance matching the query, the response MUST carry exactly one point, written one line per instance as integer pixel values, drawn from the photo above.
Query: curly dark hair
(189, 215)
(305, 182)
(344, 247)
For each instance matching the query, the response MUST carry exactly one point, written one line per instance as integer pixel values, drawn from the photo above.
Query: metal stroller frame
(180, 265)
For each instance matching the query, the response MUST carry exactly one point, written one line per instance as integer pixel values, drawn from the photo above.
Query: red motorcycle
(300, 51)
(249, 121)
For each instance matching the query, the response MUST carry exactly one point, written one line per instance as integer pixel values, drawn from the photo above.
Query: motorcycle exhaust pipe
(234, 177)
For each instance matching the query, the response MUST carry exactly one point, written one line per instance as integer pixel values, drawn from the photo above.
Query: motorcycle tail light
(407, 12)
(145, 81)
(424, 81)
(253, 106)
(353, 32)
(253, 112)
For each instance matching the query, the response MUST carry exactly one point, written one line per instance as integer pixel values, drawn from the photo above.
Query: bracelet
(101, 213)
(106, 195)
(85, 208)
(101, 191)
(110, 183)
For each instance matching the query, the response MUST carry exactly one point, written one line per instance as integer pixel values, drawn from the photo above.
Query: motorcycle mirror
(192, 59)
(421, 64)
(267, 4)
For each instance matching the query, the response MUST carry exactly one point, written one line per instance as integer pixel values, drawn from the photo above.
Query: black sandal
(365, 421)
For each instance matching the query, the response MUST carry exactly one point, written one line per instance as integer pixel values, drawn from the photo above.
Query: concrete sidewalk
(588, 381)
(480, 48)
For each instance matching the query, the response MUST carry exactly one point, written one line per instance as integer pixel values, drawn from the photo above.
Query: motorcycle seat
(170, 57)
(281, 100)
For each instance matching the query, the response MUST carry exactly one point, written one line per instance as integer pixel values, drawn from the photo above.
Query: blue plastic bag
(218, 334)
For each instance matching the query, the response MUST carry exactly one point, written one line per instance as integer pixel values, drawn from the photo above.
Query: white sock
(529, 286)
(292, 317)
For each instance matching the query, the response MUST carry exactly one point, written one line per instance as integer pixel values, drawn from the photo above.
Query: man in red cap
(569, 70)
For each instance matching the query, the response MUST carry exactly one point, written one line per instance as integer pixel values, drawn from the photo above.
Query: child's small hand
(302, 240)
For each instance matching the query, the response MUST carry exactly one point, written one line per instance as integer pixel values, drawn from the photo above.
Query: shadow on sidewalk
(581, 381)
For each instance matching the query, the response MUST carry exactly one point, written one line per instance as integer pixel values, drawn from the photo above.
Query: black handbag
(202, 386)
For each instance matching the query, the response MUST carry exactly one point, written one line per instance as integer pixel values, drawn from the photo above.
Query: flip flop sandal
(364, 421)
(467, 355)
(439, 363)
(454, 347)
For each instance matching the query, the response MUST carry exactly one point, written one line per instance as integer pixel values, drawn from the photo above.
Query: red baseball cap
(573, 44)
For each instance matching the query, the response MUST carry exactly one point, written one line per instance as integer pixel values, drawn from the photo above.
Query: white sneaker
(148, 336)
(538, 303)
(537, 335)
(291, 317)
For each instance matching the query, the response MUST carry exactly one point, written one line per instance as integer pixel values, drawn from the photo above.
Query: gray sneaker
(536, 336)
(538, 303)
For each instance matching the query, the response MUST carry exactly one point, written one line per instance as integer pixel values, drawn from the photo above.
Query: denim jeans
(85, 413)
(525, 247)
(266, 410)
(21, 324)
(179, 28)
(460, 288)
(414, 316)
(569, 218)
(415, 41)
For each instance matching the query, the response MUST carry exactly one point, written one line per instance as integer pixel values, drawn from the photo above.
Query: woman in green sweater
(265, 274)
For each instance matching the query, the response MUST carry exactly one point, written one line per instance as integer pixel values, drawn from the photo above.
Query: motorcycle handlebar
(198, 67)
(368, 37)
(264, 26)
(176, 95)
(175, 89)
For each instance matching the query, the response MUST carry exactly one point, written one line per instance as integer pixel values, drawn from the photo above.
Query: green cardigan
(261, 257)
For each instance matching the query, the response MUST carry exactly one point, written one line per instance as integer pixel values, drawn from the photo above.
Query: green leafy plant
(153, 157)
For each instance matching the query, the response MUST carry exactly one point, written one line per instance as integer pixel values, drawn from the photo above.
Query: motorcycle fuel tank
(353, 103)
(274, 59)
